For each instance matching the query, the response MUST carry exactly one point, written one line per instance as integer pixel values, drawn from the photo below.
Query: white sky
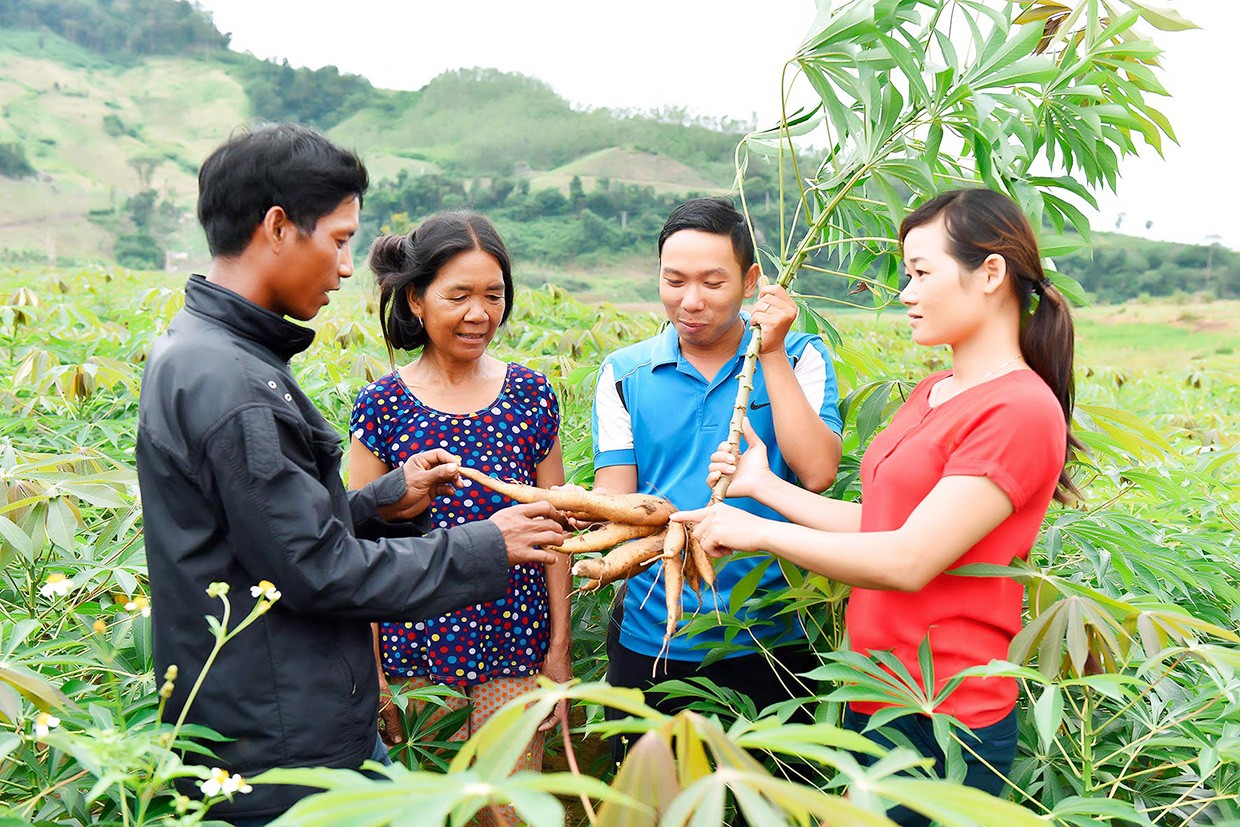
(723, 58)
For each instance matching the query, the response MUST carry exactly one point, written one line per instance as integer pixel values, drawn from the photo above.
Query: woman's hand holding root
(722, 529)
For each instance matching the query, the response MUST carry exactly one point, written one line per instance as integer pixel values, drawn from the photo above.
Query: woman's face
(945, 304)
(462, 307)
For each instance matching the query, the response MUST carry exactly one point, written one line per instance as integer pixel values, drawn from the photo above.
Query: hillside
(61, 103)
(104, 127)
(104, 151)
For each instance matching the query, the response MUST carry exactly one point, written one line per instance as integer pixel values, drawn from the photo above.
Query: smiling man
(240, 482)
(662, 407)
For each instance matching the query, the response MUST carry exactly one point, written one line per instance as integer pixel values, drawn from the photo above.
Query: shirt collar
(245, 318)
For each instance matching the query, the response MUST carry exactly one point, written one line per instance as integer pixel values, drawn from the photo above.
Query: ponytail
(980, 223)
(1047, 343)
(390, 261)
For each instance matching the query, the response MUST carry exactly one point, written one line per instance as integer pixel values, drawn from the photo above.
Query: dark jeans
(996, 744)
(751, 675)
(379, 755)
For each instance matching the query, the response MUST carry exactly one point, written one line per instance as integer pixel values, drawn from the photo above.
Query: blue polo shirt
(655, 410)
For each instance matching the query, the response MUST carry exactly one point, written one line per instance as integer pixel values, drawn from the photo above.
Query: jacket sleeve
(364, 506)
(286, 526)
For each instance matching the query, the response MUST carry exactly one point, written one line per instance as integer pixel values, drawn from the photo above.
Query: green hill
(103, 135)
(109, 107)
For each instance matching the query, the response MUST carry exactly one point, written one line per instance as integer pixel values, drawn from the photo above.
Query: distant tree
(139, 251)
(550, 201)
(119, 26)
(576, 193)
(13, 162)
(319, 97)
(141, 209)
(501, 188)
(144, 167)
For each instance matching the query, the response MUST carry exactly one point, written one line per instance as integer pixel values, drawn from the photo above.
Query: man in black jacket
(240, 483)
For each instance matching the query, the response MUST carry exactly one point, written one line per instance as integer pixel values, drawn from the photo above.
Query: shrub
(139, 251)
(13, 162)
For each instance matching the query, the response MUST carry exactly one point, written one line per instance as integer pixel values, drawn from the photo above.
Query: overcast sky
(723, 58)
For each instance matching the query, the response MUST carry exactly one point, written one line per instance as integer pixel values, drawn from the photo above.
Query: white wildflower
(266, 590)
(57, 585)
(44, 723)
(221, 783)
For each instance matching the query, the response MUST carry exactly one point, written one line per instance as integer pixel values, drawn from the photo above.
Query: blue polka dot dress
(507, 440)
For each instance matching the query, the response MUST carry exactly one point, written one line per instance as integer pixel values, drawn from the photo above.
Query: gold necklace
(1016, 358)
(937, 391)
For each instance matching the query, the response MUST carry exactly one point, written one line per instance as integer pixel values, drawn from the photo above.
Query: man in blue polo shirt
(662, 406)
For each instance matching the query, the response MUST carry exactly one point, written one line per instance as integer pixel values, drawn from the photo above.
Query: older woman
(445, 289)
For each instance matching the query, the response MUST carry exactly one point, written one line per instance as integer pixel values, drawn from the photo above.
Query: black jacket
(240, 482)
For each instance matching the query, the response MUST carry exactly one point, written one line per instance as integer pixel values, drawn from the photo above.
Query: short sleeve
(816, 376)
(611, 426)
(1018, 443)
(547, 418)
(364, 422)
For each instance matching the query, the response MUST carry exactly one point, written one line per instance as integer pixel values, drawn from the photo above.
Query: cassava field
(1128, 662)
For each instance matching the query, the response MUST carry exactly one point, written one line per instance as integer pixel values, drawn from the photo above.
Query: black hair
(285, 165)
(410, 262)
(980, 223)
(714, 215)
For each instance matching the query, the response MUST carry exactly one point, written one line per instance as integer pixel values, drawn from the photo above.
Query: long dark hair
(410, 262)
(981, 223)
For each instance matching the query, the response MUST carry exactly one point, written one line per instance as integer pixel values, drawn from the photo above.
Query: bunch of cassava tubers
(633, 529)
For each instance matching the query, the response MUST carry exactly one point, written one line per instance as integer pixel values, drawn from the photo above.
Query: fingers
(542, 508)
(445, 473)
(549, 535)
(536, 556)
(559, 715)
(751, 436)
(695, 516)
(771, 296)
(391, 728)
(434, 457)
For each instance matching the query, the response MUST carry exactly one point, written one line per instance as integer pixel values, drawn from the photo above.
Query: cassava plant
(1041, 100)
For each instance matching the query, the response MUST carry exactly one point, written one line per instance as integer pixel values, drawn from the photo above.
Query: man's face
(311, 265)
(702, 287)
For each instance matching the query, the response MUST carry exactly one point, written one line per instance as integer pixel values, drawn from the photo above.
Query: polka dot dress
(507, 440)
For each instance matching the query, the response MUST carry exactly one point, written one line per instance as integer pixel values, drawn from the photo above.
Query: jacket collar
(245, 318)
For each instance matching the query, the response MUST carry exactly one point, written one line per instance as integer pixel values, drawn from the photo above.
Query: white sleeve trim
(615, 428)
(811, 374)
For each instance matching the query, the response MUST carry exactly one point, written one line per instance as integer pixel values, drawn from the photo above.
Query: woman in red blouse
(963, 474)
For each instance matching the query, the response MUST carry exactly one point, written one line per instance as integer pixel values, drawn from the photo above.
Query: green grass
(1160, 335)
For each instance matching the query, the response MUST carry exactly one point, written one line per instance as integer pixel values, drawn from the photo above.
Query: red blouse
(1010, 430)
